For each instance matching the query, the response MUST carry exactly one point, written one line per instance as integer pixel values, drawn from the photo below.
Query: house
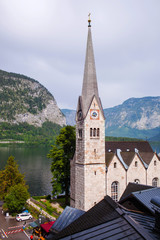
(140, 200)
(109, 220)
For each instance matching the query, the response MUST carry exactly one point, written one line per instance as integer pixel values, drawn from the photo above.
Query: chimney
(156, 206)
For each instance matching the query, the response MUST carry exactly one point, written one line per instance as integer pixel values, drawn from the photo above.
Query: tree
(61, 154)
(16, 198)
(10, 177)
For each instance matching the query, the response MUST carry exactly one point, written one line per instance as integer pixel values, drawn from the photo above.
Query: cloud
(46, 40)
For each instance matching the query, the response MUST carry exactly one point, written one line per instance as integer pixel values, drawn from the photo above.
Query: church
(101, 168)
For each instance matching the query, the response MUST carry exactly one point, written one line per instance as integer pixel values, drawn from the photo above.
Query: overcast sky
(46, 40)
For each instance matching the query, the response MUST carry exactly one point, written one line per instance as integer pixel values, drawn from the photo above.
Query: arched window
(136, 163)
(90, 132)
(94, 132)
(80, 133)
(97, 132)
(155, 182)
(137, 181)
(155, 163)
(115, 164)
(114, 191)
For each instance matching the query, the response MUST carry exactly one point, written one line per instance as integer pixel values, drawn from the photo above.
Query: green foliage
(16, 198)
(61, 154)
(10, 177)
(29, 133)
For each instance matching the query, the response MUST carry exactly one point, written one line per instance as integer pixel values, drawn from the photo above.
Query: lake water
(33, 162)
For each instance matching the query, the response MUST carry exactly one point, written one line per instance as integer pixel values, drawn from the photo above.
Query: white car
(23, 216)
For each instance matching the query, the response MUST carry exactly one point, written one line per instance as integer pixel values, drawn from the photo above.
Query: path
(40, 210)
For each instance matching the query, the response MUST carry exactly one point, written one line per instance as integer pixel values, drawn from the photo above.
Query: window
(90, 132)
(94, 132)
(155, 163)
(80, 133)
(114, 191)
(155, 182)
(115, 164)
(97, 132)
(136, 163)
(137, 181)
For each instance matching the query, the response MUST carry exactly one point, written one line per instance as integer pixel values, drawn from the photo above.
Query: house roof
(47, 225)
(106, 220)
(68, 216)
(133, 187)
(142, 146)
(145, 197)
(147, 222)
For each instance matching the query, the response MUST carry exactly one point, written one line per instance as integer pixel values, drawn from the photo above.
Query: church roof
(127, 157)
(130, 146)
(146, 156)
(90, 86)
(125, 152)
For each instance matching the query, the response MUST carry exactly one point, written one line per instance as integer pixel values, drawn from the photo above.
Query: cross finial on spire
(89, 20)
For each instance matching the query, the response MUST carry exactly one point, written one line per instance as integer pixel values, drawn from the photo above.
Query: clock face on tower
(94, 114)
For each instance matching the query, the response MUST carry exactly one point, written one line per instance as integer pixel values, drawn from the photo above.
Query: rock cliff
(23, 99)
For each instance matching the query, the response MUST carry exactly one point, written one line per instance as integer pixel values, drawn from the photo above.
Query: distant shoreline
(12, 141)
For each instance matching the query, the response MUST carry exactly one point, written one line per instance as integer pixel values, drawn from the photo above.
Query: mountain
(135, 118)
(70, 116)
(25, 100)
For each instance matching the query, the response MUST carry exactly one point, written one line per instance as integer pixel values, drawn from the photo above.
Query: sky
(46, 40)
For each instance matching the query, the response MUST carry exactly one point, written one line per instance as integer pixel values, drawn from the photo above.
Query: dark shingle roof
(109, 157)
(133, 187)
(147, 222)
(105, 220)
(146, 156)
(127, 157)
(142, 146)
(145, 197)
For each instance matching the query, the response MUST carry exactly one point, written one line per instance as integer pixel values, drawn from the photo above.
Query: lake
(33, 162)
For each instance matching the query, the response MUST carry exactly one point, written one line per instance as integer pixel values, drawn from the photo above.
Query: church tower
(88, 182)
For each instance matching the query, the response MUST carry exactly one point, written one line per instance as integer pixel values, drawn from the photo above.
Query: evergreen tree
(61, 154)
(10, 177)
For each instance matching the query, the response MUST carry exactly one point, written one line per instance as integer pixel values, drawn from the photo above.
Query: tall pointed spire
(90, 87)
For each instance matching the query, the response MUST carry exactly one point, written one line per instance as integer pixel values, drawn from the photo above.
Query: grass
(46, 205)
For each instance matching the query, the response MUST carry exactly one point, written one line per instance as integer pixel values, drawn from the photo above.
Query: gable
(95, 104)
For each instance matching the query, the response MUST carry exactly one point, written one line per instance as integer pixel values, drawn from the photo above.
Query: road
(11, 229)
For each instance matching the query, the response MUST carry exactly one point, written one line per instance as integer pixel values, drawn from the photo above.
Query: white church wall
(116, 173)
(153, 170)
(136, 171)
